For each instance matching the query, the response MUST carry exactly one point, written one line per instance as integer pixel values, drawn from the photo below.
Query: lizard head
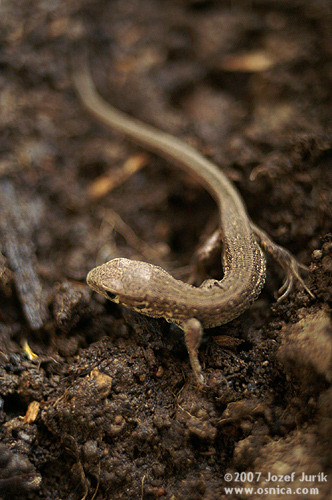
(131, 283)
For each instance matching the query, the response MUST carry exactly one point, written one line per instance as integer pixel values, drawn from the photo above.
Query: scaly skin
(149, 289)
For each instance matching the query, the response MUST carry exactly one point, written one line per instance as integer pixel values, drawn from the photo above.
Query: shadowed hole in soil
(14, 406)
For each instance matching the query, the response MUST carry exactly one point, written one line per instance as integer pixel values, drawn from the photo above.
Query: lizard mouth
(93, 280)
(104, 284)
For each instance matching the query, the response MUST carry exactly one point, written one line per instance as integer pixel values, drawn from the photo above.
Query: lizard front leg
(193, 333)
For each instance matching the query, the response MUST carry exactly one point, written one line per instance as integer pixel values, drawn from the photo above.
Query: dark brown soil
(109, 409)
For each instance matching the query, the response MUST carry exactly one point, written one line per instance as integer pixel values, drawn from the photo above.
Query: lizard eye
(110, 295)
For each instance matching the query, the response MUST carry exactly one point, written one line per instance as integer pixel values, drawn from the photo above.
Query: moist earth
(97, 402)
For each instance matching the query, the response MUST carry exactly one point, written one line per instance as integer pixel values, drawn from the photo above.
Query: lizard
(152, 291)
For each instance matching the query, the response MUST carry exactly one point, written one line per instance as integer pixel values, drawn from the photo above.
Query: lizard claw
(286, 288)
(291, 266)
(286, 260)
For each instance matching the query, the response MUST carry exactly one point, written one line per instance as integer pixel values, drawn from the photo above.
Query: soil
(100, 403)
